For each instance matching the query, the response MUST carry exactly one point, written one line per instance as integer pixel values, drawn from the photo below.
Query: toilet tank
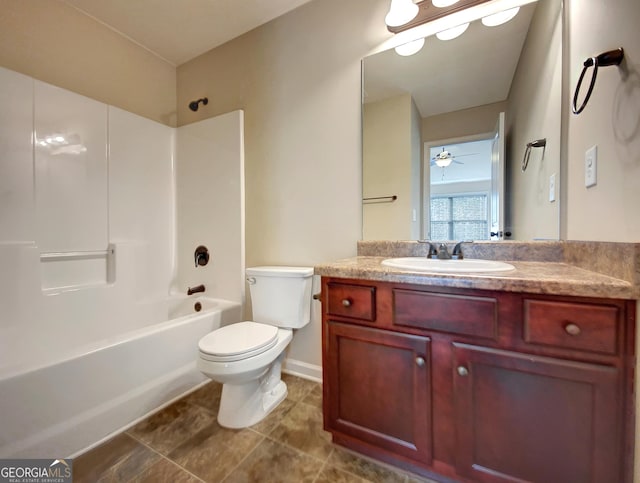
(281, 296)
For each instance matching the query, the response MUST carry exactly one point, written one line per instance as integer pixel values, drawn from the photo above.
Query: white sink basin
(466, 265)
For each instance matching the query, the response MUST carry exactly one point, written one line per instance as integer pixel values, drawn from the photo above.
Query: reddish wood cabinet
(472, 385)
(531, 418)
(391, 410)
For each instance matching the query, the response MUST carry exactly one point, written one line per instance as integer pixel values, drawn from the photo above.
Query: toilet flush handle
(251, 280)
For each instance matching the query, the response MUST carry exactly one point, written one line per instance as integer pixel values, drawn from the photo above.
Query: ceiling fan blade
(468, 154)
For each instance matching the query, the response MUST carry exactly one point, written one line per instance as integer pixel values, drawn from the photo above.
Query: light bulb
(410, 48)
(500, 17)
(443, 3)
(401, 12)
(453, 32)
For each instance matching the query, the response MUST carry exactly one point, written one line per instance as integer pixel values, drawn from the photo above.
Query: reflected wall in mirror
(439, 105)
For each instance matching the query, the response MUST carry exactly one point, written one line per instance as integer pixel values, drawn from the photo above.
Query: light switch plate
(552, 188)
(591, 167)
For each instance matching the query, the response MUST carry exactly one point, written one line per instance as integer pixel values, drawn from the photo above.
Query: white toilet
(247, 356)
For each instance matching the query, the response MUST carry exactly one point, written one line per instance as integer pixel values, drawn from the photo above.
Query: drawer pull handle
(572, 329)
(463, 371)
(420, 361)
(346, 302)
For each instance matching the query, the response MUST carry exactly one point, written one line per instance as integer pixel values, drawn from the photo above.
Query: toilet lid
(242, 338)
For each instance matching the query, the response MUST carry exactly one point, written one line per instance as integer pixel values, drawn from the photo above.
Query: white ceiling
(179, 30)
(472, 70)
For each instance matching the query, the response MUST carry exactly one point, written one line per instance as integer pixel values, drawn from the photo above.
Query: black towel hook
(612, 57)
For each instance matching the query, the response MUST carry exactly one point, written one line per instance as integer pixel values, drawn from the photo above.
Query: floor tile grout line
(339, 468)
(151, 448)
(301, 399)
(298, 450)
(385, 466)
(262, 435)
(242, 460)
(305, 393)
(322, 468)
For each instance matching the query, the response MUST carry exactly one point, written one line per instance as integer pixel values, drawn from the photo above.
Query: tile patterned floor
(183, 443)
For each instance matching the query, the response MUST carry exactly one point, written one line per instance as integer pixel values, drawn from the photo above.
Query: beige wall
(534, 112)
(297, 79)
(609, 210)
(416, 173)
(458, 124)
(299, 83)
(53, 42)
(387, 168)
(611, 120)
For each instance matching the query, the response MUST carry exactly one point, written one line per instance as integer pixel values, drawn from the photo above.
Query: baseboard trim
(303, 370)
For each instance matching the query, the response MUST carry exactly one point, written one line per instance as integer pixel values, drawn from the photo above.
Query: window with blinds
(459, 217)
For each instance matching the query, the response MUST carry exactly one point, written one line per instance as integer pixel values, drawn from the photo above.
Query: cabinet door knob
(346, 302)
(463, 371)
(420, 361)
(572, 329)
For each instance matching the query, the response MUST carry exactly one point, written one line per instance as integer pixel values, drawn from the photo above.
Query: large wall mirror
(446, 130)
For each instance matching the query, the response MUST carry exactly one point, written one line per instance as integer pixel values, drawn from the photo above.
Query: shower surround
(91, 200)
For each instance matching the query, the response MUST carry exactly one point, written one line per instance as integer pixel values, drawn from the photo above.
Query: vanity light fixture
(432, 20)
(410, 48)
(443, 3)
(500, 17)
(453, 32)
(401, 12)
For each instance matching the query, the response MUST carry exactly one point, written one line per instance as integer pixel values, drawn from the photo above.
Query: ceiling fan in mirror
(445, 158)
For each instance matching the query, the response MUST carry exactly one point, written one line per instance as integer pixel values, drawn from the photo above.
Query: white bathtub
(61, 407)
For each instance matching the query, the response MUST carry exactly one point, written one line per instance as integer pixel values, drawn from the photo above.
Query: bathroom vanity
(522, 376)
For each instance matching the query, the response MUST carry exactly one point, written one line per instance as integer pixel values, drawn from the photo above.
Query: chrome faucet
(457, 250)
(443, 252)
(196, 289)
(432, 253)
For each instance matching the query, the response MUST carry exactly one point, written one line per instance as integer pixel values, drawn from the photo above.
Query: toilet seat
(238, 341)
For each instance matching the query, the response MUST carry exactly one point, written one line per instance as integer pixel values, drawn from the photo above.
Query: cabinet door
(379, 388)
(528, 418)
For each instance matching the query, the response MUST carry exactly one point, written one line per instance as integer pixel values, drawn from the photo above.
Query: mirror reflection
(445, 131)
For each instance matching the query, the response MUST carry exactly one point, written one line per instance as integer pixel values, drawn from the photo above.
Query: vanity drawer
(572, 325)
(456, 314)
(355, 301)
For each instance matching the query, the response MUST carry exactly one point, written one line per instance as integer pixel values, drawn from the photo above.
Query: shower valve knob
(201, 256)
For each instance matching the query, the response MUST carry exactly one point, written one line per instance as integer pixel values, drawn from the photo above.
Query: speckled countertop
(564, 274)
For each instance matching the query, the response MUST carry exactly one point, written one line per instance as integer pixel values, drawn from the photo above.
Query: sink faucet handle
(433, 252)
(457, 250)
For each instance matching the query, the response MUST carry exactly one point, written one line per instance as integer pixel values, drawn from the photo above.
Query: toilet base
(246, 404)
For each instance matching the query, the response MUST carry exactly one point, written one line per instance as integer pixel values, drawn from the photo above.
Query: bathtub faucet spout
(197, 289)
